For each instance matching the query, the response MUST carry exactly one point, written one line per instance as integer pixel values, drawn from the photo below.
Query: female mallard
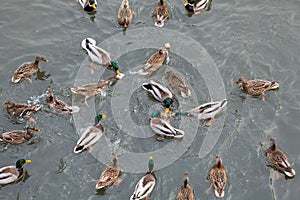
(10, 174)
(110, 175)
(197, 6)
(160, 93)
(161, 13)
(124, 14)
(178, 83)
(21, 110)
(27, 69)
(88, 5)
(186, 191)
(217, 177)
(257, 87)
(59, 106)
(18, 136)
(279, 160)
(91, 135)
(208, 110)
(146, 184)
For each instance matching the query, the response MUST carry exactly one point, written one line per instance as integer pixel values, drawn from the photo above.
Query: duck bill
(167, 110)
(186, 3)
(118, 72)
(103, 116)
(27, 161)
(94, 6)
(37, 130)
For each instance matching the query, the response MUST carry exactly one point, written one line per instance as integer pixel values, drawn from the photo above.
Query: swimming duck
(88, 5)
(109, 175)
(10, 174)
(217, 177)
(208, 110)
(257, 87)
(178, 83)
(21, 110)
(91, 135)
(146, 184)
(59, 106)
(27, 69)
(124, 14)
(161, 13)
(186, 191)
(279, 160)
(18, 136)
(197, 6)
(160, 93)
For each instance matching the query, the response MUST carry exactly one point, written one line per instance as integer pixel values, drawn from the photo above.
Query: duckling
(88, 5)
(18, 136)
(186, 191)
(21, 110)
(124, 14)
(197, 6)
(178, 83)
(27, 69)
(10, 174)
(161, 13)
(278, 160)
(218, 178)
(257, 87)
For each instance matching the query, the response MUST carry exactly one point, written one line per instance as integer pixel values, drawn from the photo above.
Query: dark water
(257, 39)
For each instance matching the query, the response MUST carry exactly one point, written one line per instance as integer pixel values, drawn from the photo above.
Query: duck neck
(161, 2)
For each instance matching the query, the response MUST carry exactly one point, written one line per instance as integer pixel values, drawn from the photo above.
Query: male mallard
(21, 110)
(59, 106)
(257, 87)
(27, 69)
(88, 5)
(178, 83)
(208, 110)
(18, 136)
(160, 93)
(278, 160)
(146, 184)
(124, 14)
(197, 6)
(10, 174)
(161, 13)
(109, 175)
(217, 177)
(91, 135)
(186, 191)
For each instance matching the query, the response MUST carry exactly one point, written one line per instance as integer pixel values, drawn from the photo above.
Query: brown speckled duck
(21, 110)
(58, 105)
(18, 136)
(186, 191)
(178, 83)
(217, 177)
(161, 13)
(124, 14)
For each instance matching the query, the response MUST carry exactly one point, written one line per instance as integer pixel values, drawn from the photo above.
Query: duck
(21, 110)
(124, 14)
(25, 70)
(161, 13)
(218, 178)
(278, 160)
(10, 174)
(257, 87)
(110, 175)
(88, 5)
(146, 184)
(60, 106)
(186, 192)
(178, 83)
(18, 136)
(92, 89)
(160, 93)
(163, 127)
(197, 6)
(208, 110)
(91, 135)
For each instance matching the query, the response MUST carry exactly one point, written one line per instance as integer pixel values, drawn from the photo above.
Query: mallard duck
(110, 175)
(278, 160)
(257, 87)
(91, 135)
(160, 93)
(146, 184)
(161, 13)
(178, 83)
(163, 127)
(208, 110)
(217, 177)
(124, 14)
(186, 191)
(18, 136)
(92, 89)
(10, 174)
(197, 6)
(59, 106)
(21, 110)
(88, 5)
(27, 69)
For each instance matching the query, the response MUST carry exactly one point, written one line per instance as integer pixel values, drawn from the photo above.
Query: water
(257, 39)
